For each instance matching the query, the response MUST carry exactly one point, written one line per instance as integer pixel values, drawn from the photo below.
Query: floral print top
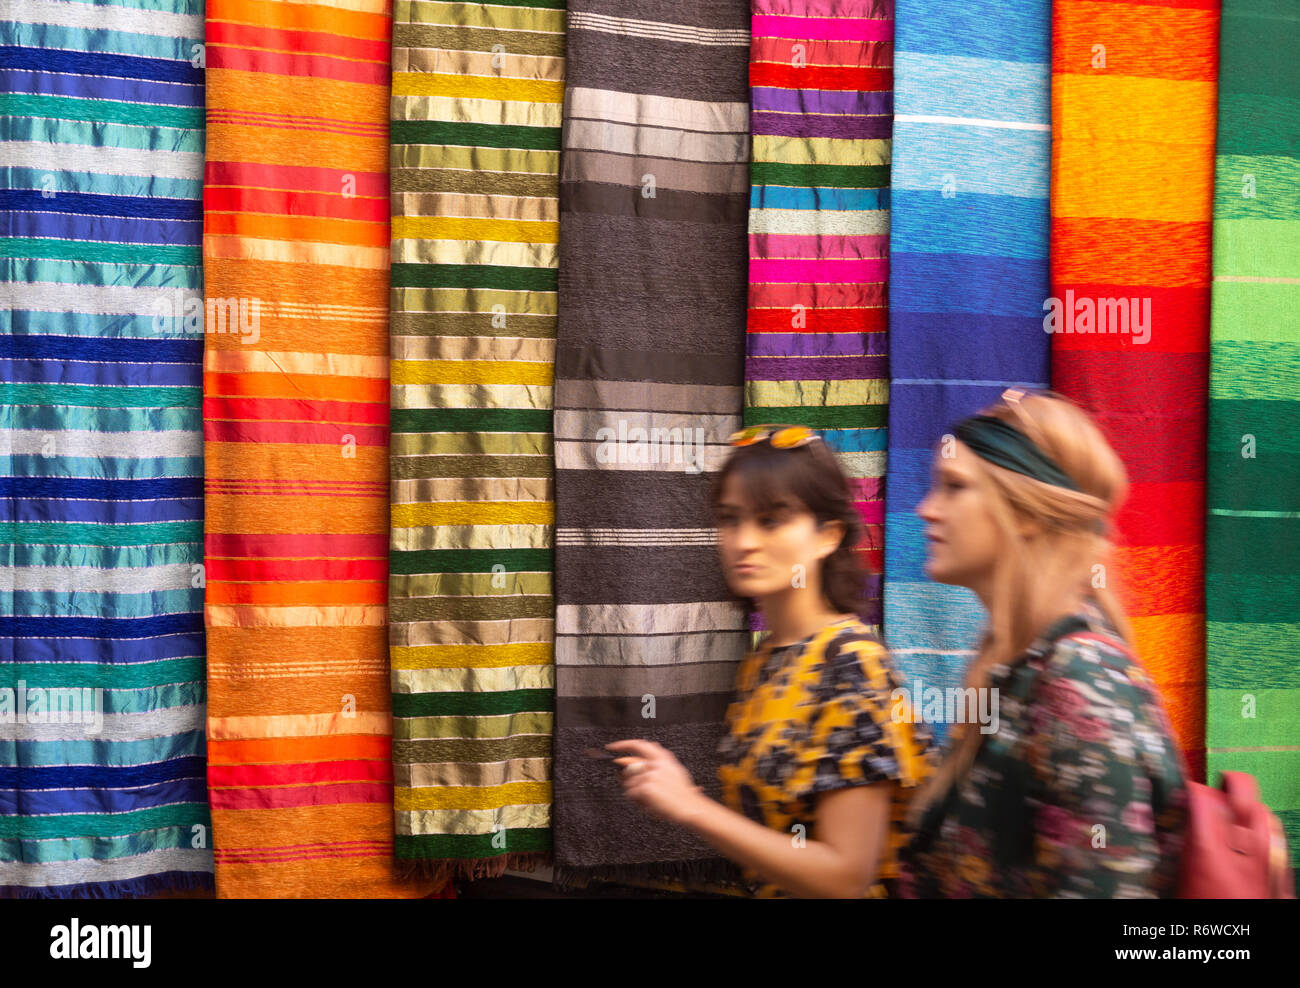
(1079, 793)
(812, 717)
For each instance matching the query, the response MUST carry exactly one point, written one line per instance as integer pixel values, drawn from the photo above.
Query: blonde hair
(1052, 538)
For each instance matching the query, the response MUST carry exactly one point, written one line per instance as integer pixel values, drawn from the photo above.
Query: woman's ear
(1028, 528)
(829, 534)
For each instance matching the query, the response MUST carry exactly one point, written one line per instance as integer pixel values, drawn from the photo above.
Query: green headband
(1001, 444)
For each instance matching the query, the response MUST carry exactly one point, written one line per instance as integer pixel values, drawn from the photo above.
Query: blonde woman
(1080, 791)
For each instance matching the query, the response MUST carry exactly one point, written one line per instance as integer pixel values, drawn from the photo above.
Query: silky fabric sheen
(102, 164)
(295, 426)
(821, 111)
(475, 107)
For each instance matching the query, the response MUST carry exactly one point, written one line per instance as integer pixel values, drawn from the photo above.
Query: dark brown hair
(805, 478)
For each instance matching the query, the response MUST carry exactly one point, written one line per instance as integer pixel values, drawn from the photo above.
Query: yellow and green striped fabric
(476, 101)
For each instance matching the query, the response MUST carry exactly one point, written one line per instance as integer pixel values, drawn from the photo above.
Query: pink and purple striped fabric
(821, 78)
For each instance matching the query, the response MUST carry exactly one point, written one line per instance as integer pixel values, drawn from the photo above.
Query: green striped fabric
(477, 94)
(1253, 538)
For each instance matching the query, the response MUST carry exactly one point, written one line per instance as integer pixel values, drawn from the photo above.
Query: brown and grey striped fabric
(648, 385)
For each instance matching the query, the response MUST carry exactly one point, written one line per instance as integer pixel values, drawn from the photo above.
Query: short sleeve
(850, 738)
(1093, 801)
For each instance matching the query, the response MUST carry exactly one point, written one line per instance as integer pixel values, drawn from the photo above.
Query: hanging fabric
(1252, 592)
(821, 77)
(968, 275)
(296, 442)
(1133, 104)
(101, 630)
(648, 375)
(477, 94)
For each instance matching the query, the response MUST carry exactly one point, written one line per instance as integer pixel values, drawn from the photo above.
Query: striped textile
(296, 443)
(477, 93)
(1253, 480)
(650, 337)
(968, 249)
(100, 179)
(1133, 102)
(821, 78)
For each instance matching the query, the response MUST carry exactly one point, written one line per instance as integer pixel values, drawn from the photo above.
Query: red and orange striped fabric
(295, 429)
(1133, 127)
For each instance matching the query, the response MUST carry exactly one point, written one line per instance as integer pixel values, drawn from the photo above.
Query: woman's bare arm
(840, 859)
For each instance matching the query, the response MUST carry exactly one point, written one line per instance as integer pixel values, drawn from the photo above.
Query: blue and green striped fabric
(102, 682)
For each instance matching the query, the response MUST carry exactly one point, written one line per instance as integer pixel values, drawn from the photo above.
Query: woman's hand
(655, 780)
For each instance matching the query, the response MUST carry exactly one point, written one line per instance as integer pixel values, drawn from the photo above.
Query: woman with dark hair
(819, 760)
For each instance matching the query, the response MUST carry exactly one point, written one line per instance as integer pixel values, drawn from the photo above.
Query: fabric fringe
(472, 869)
(702, 872)
(130, 888)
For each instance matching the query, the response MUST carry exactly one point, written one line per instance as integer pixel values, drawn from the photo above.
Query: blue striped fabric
(968, 276)
(101, 619)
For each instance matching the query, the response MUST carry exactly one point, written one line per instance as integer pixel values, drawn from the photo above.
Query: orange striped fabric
(1133, 117)
(295, 253)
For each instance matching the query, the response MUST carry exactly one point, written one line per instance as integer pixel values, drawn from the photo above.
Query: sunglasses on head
(780, 436)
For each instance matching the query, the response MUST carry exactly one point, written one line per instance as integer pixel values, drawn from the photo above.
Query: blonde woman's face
(769, 552)
(962, 537)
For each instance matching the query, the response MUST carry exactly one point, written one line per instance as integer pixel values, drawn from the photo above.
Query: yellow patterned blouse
(813, 717)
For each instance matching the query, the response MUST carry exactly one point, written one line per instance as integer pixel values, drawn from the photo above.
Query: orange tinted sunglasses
(780, 436)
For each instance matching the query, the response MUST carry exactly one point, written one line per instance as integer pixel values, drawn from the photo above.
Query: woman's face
(771, 552)
(962, 537)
